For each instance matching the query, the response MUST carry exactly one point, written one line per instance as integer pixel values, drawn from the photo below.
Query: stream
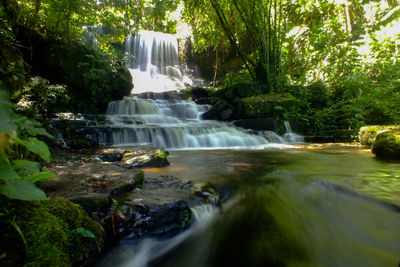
(309, 205)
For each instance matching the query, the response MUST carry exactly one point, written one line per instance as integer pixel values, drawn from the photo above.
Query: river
(305, 205)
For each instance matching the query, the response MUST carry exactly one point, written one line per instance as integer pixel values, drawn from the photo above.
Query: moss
(157, 158)
(48, 227)
(284, 97)
(160, 155)
(368, 134)
(387, 145)
(139, 179)
(269, 105)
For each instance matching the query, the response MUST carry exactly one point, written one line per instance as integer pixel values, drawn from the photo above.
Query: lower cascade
(165, 120)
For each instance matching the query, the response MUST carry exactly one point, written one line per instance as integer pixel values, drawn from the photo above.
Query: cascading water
(164, 119)
(173, 124)
(290, 136)
(155, 65)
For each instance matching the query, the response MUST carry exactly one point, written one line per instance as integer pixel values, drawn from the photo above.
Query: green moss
(284, 97)
(269, 105)
(368, 134)
(387, 145)
(160, 155)
(139, 179)
(48, 227)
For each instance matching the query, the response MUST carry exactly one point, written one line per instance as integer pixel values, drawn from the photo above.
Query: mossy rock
(53, 232)
(387, 145)
(368, 134)
(241, 90)
(269, 105)
(220, 111)
(145, 159)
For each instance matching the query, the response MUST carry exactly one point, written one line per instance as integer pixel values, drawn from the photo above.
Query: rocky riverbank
(99, 197)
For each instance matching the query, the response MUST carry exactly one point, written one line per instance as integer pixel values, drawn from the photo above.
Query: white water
(163, 119)
(139, 254)
(173, 124)
(155, 66)
(290, 136)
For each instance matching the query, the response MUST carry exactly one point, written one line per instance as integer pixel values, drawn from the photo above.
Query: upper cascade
(154, 62)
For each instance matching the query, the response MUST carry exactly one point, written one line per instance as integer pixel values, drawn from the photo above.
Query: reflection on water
(331, 206)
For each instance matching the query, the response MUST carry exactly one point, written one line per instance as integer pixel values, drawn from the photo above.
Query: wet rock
(387, 145)
(220, 111)
(157, 220)
(83, 175)
(94, 205)
(266, 124)
(187, 185)
(145, 159)
(213, 194)
(112, 157)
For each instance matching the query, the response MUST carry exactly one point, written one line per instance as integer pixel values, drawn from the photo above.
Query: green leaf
(22, 190)
(41, 176)
(34, 145)
(13, 223)
(32, 127)
(7, 126)
(84, 232)
(7, 172)
(26, 167)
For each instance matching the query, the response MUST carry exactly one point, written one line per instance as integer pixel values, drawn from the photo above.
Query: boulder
(269, 105)
(145, 159)
(368, 134)
(220, 111)
(155, 220)
(387, 145)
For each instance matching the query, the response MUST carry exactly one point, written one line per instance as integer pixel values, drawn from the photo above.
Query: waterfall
(155, 65)
(156, 115)
(172, 123)
(290, 136)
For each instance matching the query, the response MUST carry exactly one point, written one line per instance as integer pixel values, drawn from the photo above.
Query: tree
(254, 30)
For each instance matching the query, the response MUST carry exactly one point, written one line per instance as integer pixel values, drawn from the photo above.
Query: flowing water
(155, 64)
(283, 204)
(334, 207)
(171, 122)
(331, 206)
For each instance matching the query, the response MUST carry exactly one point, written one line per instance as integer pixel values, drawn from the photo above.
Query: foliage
(12, 67)
(41, 98)
(254, 30)
(18, 141)
(69, 19)
(156, 15)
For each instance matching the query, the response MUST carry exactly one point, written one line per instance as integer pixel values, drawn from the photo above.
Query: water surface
(303, 206)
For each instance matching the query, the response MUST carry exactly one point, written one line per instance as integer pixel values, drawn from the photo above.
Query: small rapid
(173, 123)
(142, 253)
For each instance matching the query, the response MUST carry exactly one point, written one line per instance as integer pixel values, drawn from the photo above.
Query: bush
(41, 99)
